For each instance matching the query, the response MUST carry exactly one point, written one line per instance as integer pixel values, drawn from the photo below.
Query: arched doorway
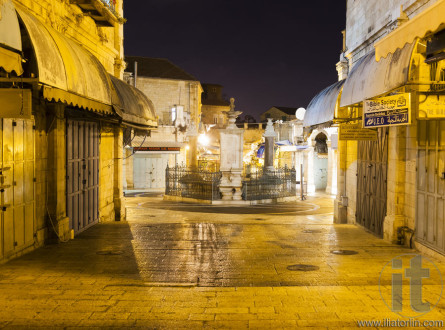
(321, 162)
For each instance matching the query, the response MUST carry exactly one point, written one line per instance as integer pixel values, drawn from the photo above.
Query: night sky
(265, 53)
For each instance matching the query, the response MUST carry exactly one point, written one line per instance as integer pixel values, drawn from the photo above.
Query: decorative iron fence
(259, 184)
(199, 184)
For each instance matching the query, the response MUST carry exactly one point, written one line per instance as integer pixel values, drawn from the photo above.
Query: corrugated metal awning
(10, 39)
(133, 106)
(73, 74)
(430, 21)
(369, 78)
(322, 107)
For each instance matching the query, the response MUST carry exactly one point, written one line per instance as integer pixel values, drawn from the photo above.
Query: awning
(133, 106)
(141, 141)
(10, 39)
(369, 78)
(284, 143)
(70, 73)
(322, 107)
(428, 22)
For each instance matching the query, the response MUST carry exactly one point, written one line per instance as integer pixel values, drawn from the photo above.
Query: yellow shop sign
(431, 106)
(391, 110)
(355, 132)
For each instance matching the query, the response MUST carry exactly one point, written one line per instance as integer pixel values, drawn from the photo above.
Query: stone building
(278, 113)
(64, 109)
(391, 115)
(214, 107)
(176, 96)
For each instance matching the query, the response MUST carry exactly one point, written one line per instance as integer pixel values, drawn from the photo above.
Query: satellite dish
(300, 113)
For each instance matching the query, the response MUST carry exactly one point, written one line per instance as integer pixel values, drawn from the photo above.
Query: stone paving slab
(191, 267)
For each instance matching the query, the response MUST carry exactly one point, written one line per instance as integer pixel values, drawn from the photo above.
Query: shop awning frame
(69, 70)
(369, 78)
(428, 22)
(10, 39)
(323, 106)
(70, 74)
(133, 106)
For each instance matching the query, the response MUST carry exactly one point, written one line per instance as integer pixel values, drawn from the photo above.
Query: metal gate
(149, 170)
(17, 181)
(431, 184)
(82, 174)
(372, 161)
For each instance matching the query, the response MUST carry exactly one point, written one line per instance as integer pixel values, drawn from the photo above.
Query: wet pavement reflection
(215, 246)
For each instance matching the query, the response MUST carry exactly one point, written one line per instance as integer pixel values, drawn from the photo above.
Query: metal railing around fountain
(259, 184)
(198, 184)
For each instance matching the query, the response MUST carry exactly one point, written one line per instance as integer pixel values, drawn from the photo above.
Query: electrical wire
(132, 154)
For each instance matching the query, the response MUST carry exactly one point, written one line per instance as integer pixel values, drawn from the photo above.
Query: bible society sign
(391, 110)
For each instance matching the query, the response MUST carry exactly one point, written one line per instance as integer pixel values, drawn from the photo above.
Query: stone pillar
(309, 169)
(118, 192)
(269, 137)
(56, 177)
(342, 67)
(192, 134)
(331, 187)
(231, 156)
(129, 168)
(341, 201)
(396, 183)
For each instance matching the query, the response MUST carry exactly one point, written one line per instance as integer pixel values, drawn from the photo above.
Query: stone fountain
(231, 156)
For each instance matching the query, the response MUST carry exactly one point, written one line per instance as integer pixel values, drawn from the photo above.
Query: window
(215, 119)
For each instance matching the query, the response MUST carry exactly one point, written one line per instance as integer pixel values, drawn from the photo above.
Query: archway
(321, 162)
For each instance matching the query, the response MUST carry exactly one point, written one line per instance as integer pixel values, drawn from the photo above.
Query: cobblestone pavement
(193, 266)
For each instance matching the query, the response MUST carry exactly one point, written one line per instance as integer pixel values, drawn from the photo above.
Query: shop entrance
(149, 171)
(17, 185)
(82, 143)
(431, 184)
(372, 164)
(321, 162)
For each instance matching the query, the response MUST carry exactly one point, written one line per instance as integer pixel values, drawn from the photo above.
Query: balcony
(103, 12)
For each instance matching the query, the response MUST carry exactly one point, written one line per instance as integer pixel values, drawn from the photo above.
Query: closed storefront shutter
(431, 184)
(82, 174)
(18, 226)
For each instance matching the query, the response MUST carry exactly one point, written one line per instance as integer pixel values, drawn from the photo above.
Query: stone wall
(166, 93)
(276, 114)
(210, 111)
(368, 21)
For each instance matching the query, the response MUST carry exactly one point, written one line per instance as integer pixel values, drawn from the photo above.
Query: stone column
(192, 134)
(118, 192)
(341, 201)
(395, 183)
(231, 156)
(56, 177)
(269, 137)
(129, 168)
(309, 172)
